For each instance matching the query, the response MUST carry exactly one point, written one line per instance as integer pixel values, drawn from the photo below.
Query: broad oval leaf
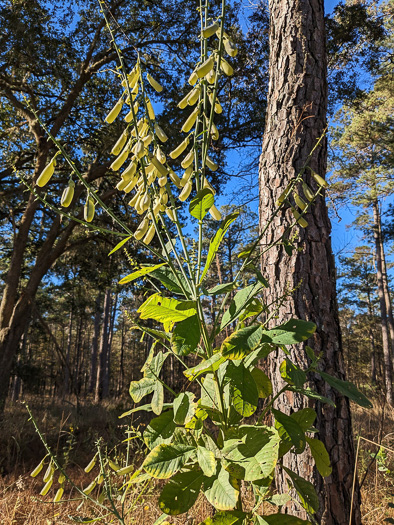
(292, 374)
(207, 461)
(293, 332)
(201, 203)
(165, 460)
(158, 399)
(184, 408)
(186, 336)
(140, 273)
(220, 492)
(263, 383)
(160, 430)
(242, 342)
(166, 310)
(141, 388)
(320, 455)
(244, 393)
(305, 490)
(292, 428)
(181, 492)
(208, 365)
(234, 517)
(347, 389)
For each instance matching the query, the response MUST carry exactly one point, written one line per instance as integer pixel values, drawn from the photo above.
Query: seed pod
(214, 131)
(170, 214)
(119, 143)
(132, 77)
(120, 160)
(131, 169)
(300, 203)
(185, 192)
(226, 67)
(156, 207)
(160, 133)
(210, 77)
(47, 173)
(100, 479)
(183, 103)
(90, 487)
(186, 176)
(125, 470)
(91, 464)
(160, 155)
(114, 112)
(150, 109)
(145, 202)
(129, 116)
(210, 30)
(307, 192)
(49, 472)
(139, 149)
(193, 78)
(46, 487)
(301, 221)
(162, 181)
(283, 195)
(187, 126)
(215, 213)
(149, 236)
(218, 108)
(205, 67)
(141, 230)
(211, 165)
(164, 198)
(188, 160)
(133, 201)
(321, 182)
(159, 166)
(158, 87)
(147, 140)
(62, 478)
(58, 495)
(68, 194)
(89, 209)
(180, 149)
(230, 48)
(113, 465)
(38, 468)
(175, 179)
(194, 95)
(207, 185)
(131, 185)
(151, 178)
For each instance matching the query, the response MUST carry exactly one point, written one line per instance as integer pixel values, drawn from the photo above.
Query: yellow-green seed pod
(162, 181)
(218, 108)
(205, 67)
(307, 192)
(156, 207)
(187, 126)
(180, 149)
(131, 185)
(160, 155)
(215, 213)
(193, 78)
(186, 176)
(321, 182)
(170, 214)
(139, 149)
(211, 165)
(230, 48)
(188, 160)
(164, 198)
(58, 495)
(62, 478)
(100, 478)
(38, 468)
(211, 76)
(152, 177)
(68, 194)
(120, 160)
(148, 239)
(175, 179)
(138, 204)
(194, 95)
(160, 133)
(207, 185)
(300, 203)
(185, 192)
(149, 168)
(210, 30)
(301, 221)
(133, 201)
(129, 116)
(46, 487)
(226, 67)
(283, 196)
(183, 103)
(49, 472)
(159, 166)
(158, 87)
(47, 173)
(147, 140)
(89, 209)
(150, 109)
(91, 464)
(114, 466)
(131, 169)
(90, 487)
(145, 202)
(114, 112)
(125, 470)
(140, 232)
(102, 496)
(214, 131)
(132, 77)
(119, 143)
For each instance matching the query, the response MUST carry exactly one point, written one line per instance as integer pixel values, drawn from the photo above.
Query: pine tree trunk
(103, 347)
(387, 362)
(95, 339)
(296, 118)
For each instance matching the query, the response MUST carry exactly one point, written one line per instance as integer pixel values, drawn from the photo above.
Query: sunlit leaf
(166, 459)
(181, 492)
(201, 203)
(140, 273)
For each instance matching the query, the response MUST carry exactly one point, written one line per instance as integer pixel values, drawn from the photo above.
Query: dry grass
(21, 450)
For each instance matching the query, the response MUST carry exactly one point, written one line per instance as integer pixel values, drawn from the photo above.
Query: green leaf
(158, 399)
(293, 332)
(120, 244)
(181, 492)
(201, 203)
(305, 418)
(169, 280)
(243, 389)
(292, 428)
(141, 388)
(206, 460)
(186, 336)
(140, 273)
(220, 492)
(208, 365)
(283, 519)
(160, 430)
(166, 310)
(216, 240)
(223, 288)
(292, 374)
(347, 389)
(263, 383)
(279, 499)
(312, 395)
(147, 408)
(235, 517)
(242, 342)
(240, 301)
(165, 460)
(184, 408)
(153, 365)
(306, 492)
(320, 455)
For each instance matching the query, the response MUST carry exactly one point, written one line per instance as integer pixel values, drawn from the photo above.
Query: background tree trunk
(296, 117)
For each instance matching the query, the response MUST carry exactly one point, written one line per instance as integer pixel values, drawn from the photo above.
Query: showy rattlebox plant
(217, 441)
